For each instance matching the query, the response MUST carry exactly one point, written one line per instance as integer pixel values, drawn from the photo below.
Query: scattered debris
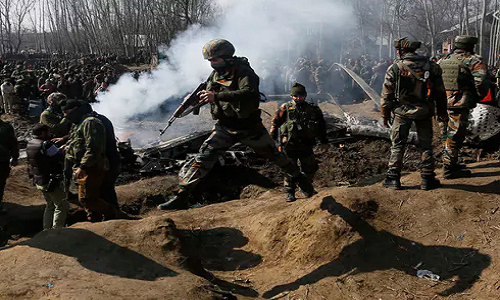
(428, 275)
(280, 295)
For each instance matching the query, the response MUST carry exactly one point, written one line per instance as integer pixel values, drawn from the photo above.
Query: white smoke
(260, 30)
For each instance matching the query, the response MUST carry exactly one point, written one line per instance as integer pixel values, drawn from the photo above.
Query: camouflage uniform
(53, 118)
(299, 124)
(234, 87)
(237, 110)
(412, 96)
(470, 86)
(86, 149)
(8, 149)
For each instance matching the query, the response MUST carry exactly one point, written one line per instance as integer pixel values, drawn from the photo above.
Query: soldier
(412, 89)
(233, 94)
(86, 150)
(45, 162)
(53, 117)
(466, 80)
(299, 124)
(108, 192)
(9, 153)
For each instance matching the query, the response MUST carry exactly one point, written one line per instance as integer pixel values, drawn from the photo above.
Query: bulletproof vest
(42, 166)
(456, 75)
(301, 121)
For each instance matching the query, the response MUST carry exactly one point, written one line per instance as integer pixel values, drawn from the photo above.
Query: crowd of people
(77, 78)
(71, 142)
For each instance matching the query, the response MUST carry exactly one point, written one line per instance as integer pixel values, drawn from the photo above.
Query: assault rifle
(192, 103)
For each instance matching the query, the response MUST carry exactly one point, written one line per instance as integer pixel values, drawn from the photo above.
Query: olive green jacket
(237, 94)
(58, 125)
(87, 145)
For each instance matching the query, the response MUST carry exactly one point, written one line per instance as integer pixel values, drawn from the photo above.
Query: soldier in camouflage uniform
(233, 94)
(412, 90)
(9, 153)
(296, 126)
(53, 117)
(466, 80)
(86, 150)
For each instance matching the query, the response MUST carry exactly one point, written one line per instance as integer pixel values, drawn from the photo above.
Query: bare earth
(344, 243)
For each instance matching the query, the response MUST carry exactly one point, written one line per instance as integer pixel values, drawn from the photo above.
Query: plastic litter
(50, 285)
(427, 274)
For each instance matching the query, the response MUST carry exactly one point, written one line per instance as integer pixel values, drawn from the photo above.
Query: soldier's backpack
(415, 83)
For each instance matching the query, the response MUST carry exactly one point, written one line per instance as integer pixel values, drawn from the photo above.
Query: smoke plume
(271, 34)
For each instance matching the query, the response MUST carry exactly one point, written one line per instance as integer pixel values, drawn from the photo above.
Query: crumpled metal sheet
(484, 122)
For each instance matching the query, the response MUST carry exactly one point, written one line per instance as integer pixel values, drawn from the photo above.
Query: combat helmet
(407, 43)
(465, 41)
(218, 48)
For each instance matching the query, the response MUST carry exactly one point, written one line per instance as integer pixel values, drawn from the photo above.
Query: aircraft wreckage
(171, 155)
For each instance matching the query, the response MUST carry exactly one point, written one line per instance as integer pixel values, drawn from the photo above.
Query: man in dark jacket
(9, 153)
(45, 162)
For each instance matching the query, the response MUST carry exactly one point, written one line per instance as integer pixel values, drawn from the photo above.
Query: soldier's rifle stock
(192, 103)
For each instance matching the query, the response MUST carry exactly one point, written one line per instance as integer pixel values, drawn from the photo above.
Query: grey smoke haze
(261, 30)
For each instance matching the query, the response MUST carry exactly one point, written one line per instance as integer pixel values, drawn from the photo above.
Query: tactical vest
(42, 166)
(237, 108)
(456, 75)
(302, 123)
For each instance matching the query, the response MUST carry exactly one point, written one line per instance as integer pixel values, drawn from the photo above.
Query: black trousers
(4, 174)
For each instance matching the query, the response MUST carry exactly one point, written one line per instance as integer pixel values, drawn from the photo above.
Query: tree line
(97, 26)
(430, 21)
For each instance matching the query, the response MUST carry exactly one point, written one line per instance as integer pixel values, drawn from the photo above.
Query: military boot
(305, 185)
(392, 181)
(455, 171)
(290, 196)
(429, 181)
(178, 201)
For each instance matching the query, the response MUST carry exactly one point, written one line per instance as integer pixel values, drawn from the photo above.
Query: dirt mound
(147, 259)
(357, 242)
(366, 242)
